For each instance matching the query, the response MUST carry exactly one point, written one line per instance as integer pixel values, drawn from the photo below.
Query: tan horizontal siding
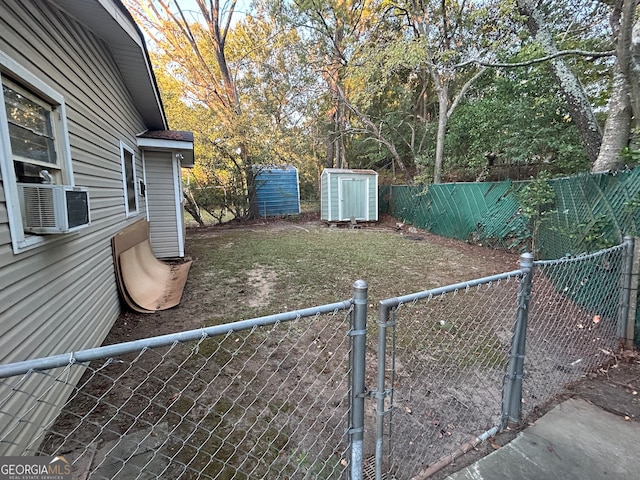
(4, 218)
(33, 400)
(54, 319)
(80, 63)
(62, 296)
(5, 236)
(161, 197)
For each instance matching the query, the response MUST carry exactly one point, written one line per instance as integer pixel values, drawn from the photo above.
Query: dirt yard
(246, 271)
(212, 293)
(615, 389)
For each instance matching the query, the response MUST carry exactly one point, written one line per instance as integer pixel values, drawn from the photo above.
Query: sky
(242, 7)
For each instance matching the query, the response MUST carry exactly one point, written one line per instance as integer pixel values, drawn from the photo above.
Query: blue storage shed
(277, 190)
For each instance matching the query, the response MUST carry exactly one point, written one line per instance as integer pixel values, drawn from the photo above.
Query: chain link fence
(269, 401)
(308, 395)
(456, 370)
(573, 322)
(447, 354)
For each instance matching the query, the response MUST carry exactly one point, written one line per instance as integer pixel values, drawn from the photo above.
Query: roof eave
(178, 147)
(110, 20)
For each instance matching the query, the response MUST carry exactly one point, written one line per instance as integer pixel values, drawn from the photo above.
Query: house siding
(62, 296)
(161, 198)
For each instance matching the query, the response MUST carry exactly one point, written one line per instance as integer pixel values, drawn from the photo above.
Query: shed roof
(350, 170)
(272, 166)
(110, 20)
(175, 135)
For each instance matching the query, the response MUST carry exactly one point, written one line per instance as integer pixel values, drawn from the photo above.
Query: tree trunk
(330, 151)
(372, 127)
(445, 109)
(634, 73)
(375, 131)
(618, 125)
(617, 128)
(192, 208)
(253, 211)
(340, 147)
(335, 154)
(577, 101)
(335, 151)
(443, 106)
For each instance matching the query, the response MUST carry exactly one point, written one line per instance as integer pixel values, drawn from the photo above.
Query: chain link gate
(442, 377)
(458, 364)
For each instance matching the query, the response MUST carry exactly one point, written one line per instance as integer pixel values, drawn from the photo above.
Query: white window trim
(21, 241)
(144, 180)
(127, 211)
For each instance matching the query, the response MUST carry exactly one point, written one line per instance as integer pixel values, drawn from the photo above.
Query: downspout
(449, 459)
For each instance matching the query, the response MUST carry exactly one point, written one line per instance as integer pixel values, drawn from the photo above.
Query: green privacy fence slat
(485, 213)
(597, 285)
(590, 211)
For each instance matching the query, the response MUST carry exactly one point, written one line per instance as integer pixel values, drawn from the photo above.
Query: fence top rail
(584, 256)
(394, 302)
(108, 351)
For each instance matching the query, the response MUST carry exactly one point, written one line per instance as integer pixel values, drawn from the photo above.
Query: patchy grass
(271, 268)
(273, 402)
(251, 403)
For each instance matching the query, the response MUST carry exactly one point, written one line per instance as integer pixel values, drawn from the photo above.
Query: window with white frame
(31, 133)
(34, 142)
(129, 180)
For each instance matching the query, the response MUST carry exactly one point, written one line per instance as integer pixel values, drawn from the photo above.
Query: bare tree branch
(373, 129)
(563, 53)
(464, 89)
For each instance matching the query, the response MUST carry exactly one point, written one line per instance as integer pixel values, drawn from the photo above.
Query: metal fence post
(358, 389)
(625, 334)
(512, 394)
(383, 322)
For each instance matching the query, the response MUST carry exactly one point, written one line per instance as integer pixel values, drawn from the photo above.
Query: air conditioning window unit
(48, 209)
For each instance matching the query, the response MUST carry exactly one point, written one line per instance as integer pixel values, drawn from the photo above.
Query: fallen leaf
(494, 445)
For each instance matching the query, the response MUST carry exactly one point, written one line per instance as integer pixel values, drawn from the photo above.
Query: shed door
(353, 198)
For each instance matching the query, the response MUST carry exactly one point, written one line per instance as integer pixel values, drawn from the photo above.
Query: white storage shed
(347, 194)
